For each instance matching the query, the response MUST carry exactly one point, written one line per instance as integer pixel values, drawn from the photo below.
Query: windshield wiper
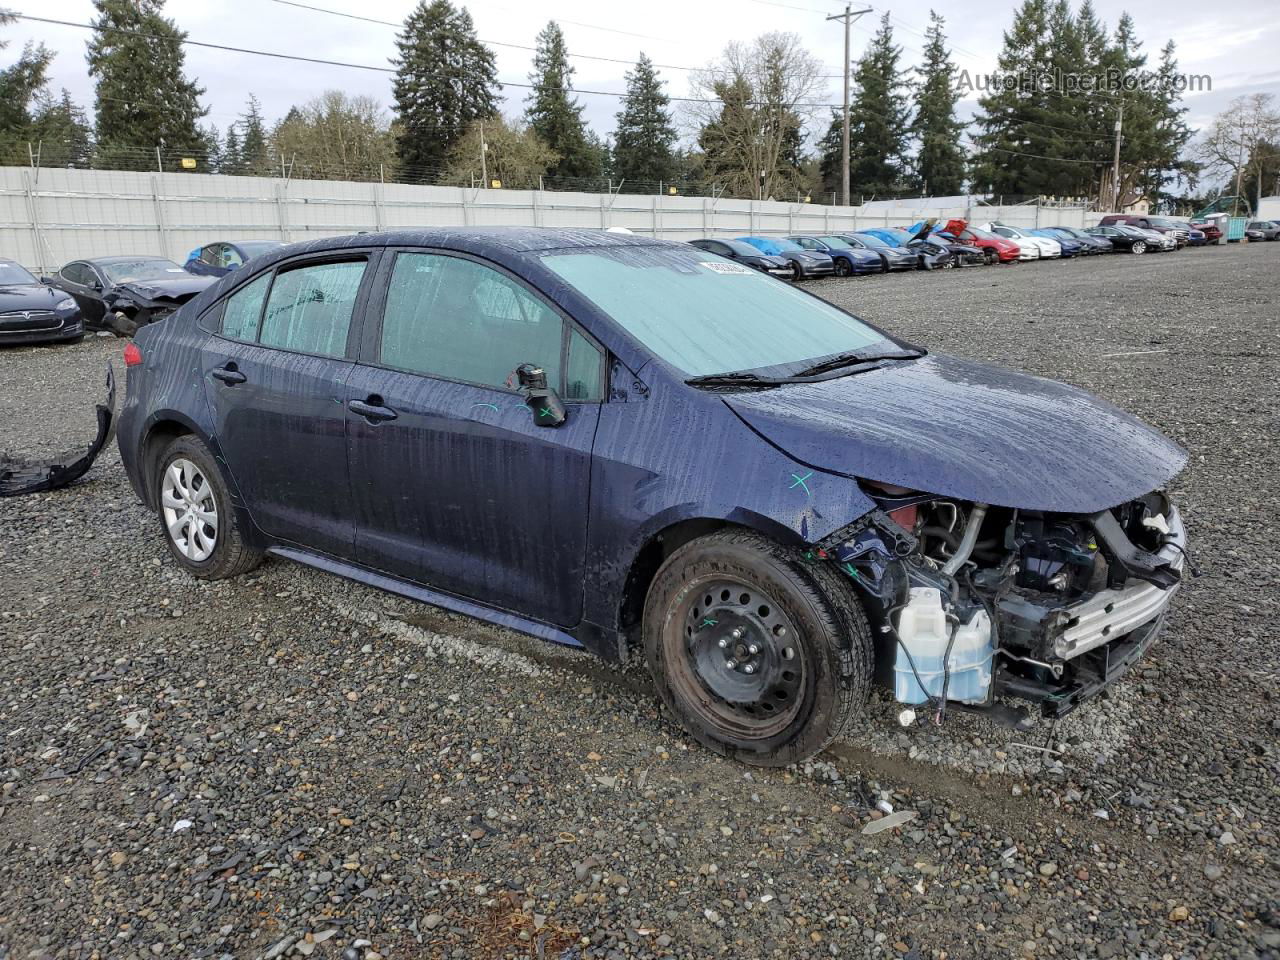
(854, 359)
(735, 379)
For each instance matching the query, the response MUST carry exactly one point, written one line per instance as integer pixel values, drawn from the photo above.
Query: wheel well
(158, 437)
(645, 567)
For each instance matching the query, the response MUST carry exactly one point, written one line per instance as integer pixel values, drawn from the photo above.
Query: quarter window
(309, 309)
(582, 375)
(244, 309)
(460, 320)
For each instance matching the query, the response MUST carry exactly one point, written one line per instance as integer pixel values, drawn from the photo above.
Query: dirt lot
(293, 765)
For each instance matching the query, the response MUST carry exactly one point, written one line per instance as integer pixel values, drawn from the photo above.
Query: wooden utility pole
(1115, 165)
(484, 161)
(848, 17)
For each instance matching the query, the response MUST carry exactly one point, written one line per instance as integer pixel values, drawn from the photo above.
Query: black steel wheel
(760, 654)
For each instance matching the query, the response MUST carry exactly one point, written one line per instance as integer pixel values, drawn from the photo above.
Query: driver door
(85, 286)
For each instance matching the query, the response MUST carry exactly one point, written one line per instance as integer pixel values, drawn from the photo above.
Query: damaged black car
(652, 452)
(121, 294)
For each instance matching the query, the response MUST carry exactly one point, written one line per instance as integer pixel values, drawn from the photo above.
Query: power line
(186, 41)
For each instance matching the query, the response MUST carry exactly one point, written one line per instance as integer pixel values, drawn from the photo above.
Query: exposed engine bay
(133, 305)
(974, 603)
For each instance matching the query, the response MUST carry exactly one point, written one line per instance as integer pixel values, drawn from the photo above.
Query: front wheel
(762, 656)
(843, 269)
(1139, 247)
(796, 273)
(199, 525)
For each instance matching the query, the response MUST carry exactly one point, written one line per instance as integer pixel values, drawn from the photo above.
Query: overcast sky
(1237, 43)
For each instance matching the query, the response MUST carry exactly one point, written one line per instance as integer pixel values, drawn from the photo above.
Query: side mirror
(543, 402)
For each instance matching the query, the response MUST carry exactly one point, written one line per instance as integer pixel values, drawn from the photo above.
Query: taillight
(132, 355)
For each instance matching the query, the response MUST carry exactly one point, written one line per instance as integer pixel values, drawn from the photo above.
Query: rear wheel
(760, 655)
(199, 525)
(1139, 247)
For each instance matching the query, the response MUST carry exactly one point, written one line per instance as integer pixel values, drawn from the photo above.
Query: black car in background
(746, 254)
(31, 312)
(1123, 238)
(123, 293)
(1096, 243)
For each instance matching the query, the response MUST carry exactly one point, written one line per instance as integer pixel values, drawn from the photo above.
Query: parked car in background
(1177, 228)
(965, 254)
(219, 259)
(805, 264)
(1266, 229)
(1160, 239)
(1196, 238)
(760, 496)
(1096, 243)
(1071, 247)
(747, 254)
(891, 256)
(1047, 248)
(995, 248)
(847, 259)
(33, 312)
(1123, 237)
(122, 294)
(1212, 232)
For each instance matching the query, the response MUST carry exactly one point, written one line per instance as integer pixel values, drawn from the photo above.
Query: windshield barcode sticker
(723, 266)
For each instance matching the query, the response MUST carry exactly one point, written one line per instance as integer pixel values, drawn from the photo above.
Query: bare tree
(752, 105)
(1236, 141)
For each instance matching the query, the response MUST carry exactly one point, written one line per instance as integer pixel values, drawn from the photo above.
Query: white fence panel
(51, 216)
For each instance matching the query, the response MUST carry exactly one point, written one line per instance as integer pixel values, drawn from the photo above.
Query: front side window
(310, 308)
(703, 315)
(243, 310)
(459, 320)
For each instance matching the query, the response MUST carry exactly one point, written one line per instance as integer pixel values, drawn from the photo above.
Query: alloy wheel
(737, 658)
(1139, 247)
(190, 510)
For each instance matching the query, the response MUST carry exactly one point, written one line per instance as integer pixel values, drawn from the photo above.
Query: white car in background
(1159, 240)
(1047, 248)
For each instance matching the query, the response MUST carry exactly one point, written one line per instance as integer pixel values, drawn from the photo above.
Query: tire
(213, 548)
(1139, 247)
(990, 256)
(796, 273)
(814, 654)
(842, 267)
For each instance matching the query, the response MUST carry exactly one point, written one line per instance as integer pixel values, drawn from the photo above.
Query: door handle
(372, 409)
(228, 375)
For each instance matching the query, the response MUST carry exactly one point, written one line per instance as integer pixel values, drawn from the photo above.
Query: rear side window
(460, 320)
(309, 309)
(244, 309)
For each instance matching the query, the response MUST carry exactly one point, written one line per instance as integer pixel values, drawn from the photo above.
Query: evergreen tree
(62, 129)
(20, 84)
(878, 123)
(940, 161)
(143, 98)
(232, 156)
(552, 112)
(255, 153)
(644, 138)
(445, 79)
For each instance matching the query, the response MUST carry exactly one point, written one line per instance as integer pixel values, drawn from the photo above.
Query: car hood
(967, 430)
(29, 296)
(185, 284)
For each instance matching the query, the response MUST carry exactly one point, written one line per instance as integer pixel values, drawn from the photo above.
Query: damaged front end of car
(130, 306)
(21, 475)
(977, 603)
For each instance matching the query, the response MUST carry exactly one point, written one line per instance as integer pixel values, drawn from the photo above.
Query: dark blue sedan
(219, 259)
(653, 452)
(849, 260)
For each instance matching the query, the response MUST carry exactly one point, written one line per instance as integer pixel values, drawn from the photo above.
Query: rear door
(454, 485)
(275, 376)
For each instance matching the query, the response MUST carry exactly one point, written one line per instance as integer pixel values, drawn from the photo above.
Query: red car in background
(1212, 234)
(994, 247)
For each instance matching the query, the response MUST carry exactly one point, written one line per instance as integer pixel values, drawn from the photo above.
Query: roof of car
(133, 259)
(515, 239)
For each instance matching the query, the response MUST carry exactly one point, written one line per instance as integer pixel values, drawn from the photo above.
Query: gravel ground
(290, 764)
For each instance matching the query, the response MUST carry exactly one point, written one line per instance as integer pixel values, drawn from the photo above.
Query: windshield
(126, 271)
(12, 273)
(871, 240)
(836, 243)
(704, 314)
(256, 248)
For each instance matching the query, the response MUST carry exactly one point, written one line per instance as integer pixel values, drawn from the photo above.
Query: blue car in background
(220, 258)
(805, 264)
(1071, 247)
(848, 259)
(658, 454)
(891, 257)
